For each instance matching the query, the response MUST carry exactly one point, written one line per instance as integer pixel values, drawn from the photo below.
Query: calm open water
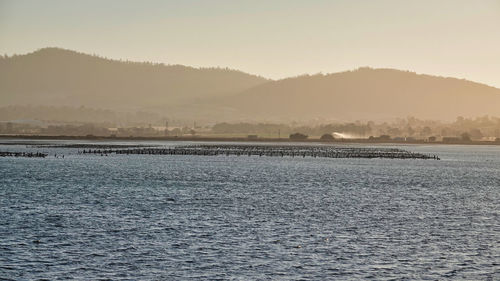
(250, 218)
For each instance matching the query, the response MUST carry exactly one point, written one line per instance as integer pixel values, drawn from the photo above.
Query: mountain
(367, 93)
(60, 77)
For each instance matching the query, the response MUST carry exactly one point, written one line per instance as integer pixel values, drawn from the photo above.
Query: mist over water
(192, 217)
(344, 136)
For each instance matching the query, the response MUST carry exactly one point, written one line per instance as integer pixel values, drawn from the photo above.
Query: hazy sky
(272, 38)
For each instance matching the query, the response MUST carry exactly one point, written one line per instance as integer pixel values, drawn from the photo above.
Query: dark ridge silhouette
(367, 93)
(54, 76)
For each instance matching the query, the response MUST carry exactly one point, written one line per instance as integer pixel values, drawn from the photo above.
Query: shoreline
(242, 139)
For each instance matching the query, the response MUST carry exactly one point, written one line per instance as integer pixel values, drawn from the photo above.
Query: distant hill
(367, 93)
(59, 77)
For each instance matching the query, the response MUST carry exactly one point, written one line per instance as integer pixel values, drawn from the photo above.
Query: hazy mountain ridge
(54, 76)
(368, 93)
(58, 77)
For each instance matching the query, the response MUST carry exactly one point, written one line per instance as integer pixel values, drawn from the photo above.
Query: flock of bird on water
(237, 150)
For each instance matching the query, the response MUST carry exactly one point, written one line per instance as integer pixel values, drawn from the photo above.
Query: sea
(186, 217)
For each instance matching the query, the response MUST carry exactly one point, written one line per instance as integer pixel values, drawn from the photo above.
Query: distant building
(466, 137)
(298, 136)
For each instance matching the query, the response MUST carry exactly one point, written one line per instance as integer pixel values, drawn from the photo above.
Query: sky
(272, 38)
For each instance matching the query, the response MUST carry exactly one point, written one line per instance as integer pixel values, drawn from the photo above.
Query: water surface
(229, 217)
